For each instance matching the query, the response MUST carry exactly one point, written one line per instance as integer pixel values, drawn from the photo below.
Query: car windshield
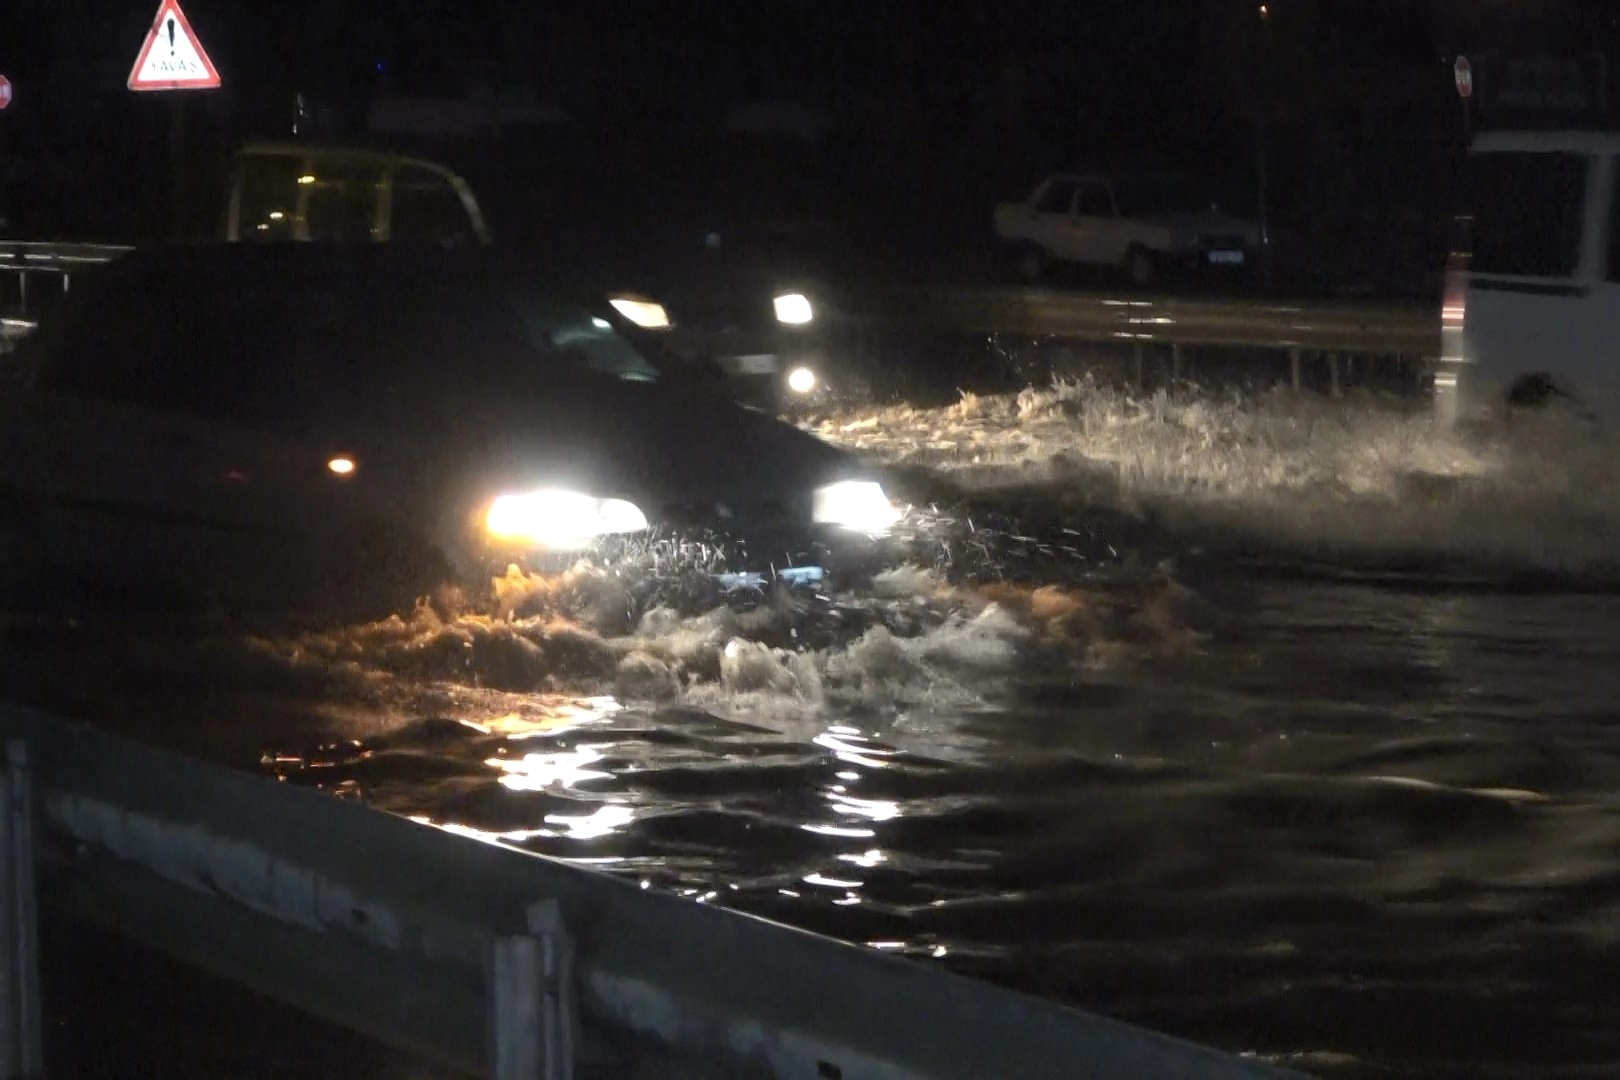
(578, 338)
(1142, 196)
(259, 346)
(511, 335)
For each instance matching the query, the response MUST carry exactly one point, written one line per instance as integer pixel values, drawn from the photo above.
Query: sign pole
(177, 167)
(1463, 74)
(172, 60)
(6, 92)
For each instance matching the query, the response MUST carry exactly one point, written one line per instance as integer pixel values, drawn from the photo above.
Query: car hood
(654, 443)
(1202, 221)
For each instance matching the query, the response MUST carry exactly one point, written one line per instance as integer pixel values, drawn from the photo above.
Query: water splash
(1367, 475)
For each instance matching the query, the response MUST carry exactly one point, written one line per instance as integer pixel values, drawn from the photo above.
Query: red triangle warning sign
(172, 58)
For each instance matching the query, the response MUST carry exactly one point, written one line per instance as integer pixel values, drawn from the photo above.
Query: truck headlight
(801, 380)
(644, 313)
(858, 505)
(560, 520)
(793, 309)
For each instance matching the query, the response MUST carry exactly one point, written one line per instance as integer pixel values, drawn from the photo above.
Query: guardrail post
(1333, 374)
(1175, 361)
(531, 1000)
(1293, 363)
(1137, 374)
(22, 1052)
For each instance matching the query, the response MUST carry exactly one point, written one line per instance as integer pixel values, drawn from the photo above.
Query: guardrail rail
(484, 956)
(1333, 330)
(23, 262)
(1312, 327)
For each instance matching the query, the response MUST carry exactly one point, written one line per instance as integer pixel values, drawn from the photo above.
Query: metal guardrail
(1394, 329)
(1405, 329)
(23, 260)
(31, 255)
(483, 956)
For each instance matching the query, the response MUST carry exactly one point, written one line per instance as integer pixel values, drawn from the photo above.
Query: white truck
(1531, 311)
(1144, 226)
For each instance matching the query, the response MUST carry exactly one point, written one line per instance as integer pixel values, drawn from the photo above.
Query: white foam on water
(923, 647)
(1362, 474)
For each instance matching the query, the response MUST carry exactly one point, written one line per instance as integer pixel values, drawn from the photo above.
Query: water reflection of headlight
(859, 505)
(794, 309)
(604, 821)
(561, 520)
(537, 772)
(874, 809)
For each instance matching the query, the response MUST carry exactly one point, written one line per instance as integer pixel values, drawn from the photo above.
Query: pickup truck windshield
(1527, 211)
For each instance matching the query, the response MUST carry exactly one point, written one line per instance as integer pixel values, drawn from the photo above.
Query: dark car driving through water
(221, 412)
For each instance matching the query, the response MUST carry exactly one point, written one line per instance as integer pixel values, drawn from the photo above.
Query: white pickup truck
(1144, 226)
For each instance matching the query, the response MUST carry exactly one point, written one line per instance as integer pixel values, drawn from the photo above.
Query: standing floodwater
(1222, 786)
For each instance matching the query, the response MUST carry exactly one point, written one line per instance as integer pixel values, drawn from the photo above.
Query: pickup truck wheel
(1534, 391)
(1141, 265)
(1031, 263)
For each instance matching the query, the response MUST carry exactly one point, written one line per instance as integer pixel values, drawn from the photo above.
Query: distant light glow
(342, 465)
(644, 313)
(801, 380)
(794, 309)
(306, 179)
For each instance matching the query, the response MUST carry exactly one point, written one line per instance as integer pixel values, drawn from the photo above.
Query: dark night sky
(691, 53)
(1136, 73)
(645, 49)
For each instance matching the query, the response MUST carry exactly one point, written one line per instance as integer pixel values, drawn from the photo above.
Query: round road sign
(5, 92)
(1464, 72)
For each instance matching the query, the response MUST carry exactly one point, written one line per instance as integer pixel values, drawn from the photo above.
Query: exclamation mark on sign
(171, 35)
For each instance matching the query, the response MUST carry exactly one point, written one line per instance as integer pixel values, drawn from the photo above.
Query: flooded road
(1302, 743)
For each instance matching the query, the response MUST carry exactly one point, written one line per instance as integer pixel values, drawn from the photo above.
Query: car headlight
(560, 520)
(859, 505)
(644, 313)
(793, 309)
(801, 380)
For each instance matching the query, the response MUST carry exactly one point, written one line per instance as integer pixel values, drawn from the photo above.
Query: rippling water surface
(1289, 726)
